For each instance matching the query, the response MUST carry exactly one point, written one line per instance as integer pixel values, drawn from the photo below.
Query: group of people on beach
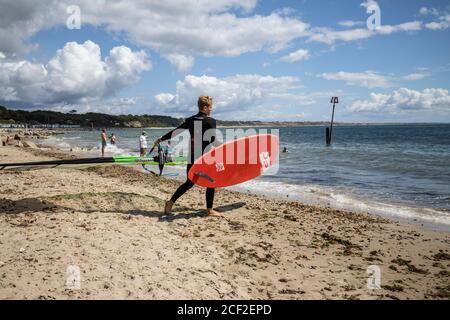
(112, 140)
(143, 145)
(10, 141)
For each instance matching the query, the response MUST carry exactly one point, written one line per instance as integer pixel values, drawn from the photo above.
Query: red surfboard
(235, 161)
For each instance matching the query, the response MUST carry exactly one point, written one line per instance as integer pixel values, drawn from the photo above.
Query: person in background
(143, 144)
(285, 150)
(112, 139)
(169, 152)
(103, 141)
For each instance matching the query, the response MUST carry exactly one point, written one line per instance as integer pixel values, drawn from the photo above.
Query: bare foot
(214, 213)
(168, 207)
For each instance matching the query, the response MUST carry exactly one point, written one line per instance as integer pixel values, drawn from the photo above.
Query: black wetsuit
(207, 123)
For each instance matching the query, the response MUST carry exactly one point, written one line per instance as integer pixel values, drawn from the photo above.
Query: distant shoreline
(271, 125)
(58, 120)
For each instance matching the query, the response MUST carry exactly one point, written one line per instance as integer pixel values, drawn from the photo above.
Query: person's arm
(214, 141)
(168, 135)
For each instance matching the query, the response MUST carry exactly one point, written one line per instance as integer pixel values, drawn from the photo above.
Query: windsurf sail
(82, 161)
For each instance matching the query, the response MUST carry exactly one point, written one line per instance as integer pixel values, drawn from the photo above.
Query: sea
(400, 171)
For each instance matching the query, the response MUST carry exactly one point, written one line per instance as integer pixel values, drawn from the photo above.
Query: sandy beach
(107, 223)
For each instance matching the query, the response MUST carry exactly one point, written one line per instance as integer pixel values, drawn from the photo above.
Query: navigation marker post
(329, 131)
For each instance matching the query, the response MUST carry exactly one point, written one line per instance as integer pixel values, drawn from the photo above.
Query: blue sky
(260, 60)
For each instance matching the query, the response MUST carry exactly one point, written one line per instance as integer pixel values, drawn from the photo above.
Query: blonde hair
(204, 101)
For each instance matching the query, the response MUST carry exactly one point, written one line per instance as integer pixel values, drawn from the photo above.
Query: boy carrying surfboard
(197, 125)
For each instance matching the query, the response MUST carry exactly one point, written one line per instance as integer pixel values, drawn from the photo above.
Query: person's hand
(157, 141)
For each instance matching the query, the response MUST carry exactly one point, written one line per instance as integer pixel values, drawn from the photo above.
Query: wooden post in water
(329, 131)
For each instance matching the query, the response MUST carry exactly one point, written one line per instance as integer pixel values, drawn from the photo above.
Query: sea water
(397, 171)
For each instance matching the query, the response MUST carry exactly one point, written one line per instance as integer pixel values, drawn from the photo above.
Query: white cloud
(404, 99)
(330, 36)
(436, 26)
(20, 19)
(165, 98)
(441, 25)
(295, 56)
(371, 79)
(350, 23)
(183, 30)
(236, 93)
(414, 76)
(423, 11)
(408, 26)
(134, 105)
(179, 30)
(126, 102)
(428, 11)
(182, 62)
(442, 22)
(242, 97)
(123, 67)
(369, 3)
(76, 73)
(445, 18)
(368, 79)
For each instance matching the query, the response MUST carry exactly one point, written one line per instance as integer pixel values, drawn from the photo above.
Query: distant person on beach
(143, 144)
(169, 152)
(112, 139)
(103, 142)
(205, 107)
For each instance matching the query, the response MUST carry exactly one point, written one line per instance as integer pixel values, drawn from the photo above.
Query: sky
(279, 60)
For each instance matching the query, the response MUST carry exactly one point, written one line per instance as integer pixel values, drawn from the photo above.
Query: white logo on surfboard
(264, 158)
(220, 167)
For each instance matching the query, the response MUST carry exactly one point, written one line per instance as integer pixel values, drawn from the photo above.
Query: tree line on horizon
(93, 119)
(44, 117)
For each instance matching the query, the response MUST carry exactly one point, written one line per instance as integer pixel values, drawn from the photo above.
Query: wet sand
(107, 223)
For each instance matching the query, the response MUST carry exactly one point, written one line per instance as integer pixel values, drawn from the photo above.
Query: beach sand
(107, 223)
